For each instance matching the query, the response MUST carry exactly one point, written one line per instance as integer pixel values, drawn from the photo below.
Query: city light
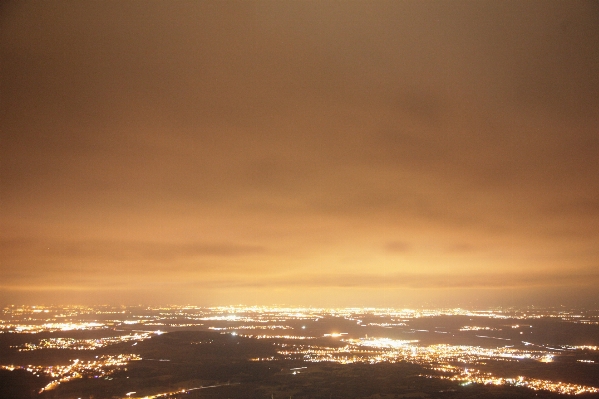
(453, 362)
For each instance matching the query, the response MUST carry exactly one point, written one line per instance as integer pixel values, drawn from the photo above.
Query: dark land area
(220, 366)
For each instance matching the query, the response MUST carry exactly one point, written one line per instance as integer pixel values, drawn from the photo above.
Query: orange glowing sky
(306, 153)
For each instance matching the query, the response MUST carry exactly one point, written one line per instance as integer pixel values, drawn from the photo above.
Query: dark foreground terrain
(214, 365)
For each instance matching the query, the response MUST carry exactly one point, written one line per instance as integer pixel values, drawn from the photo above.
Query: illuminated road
(185, 390)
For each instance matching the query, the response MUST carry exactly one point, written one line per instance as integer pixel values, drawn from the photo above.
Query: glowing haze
(307, 153)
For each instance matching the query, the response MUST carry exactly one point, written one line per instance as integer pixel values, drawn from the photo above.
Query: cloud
(491, 280)
(195, 139)
(397, 247)
(120, 251)
(461, 248)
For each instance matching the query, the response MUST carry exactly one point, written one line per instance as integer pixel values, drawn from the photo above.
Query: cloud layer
(246, 147)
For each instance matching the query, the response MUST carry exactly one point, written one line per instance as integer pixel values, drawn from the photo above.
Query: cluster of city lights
(374, 350)
(102, 366)
(385, 324)
(299, 337)
(80, 344)
(470, 376)
(452, 362)
(268, 327)
(584, 347)
(51, 327)
(441, 358)
(476, 328)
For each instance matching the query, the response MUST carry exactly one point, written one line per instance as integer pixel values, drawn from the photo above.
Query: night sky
(399, 153)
